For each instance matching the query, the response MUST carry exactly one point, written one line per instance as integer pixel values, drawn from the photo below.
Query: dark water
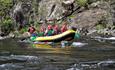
(94, 55)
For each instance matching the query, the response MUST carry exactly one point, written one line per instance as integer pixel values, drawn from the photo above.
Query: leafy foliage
(7, 25)
(5, 7)
(100, 26)
(82, 2)
(25, 29)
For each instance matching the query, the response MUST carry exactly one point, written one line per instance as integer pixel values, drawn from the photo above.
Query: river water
(90, 54)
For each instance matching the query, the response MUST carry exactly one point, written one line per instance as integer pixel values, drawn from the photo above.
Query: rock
(86, 20)
(109, 63)
(50, 9)
(18, 15)
(95, 4)
(68, 2)
(89, 18)
(11, 35)
(26, 34)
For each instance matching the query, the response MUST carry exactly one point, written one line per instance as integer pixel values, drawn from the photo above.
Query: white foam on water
(106, 62)
(110, 38)
(73, 69)
(79, 44)
(25, 57)
(10, 66)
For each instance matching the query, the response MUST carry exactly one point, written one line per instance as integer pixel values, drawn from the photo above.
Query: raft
(65, 36)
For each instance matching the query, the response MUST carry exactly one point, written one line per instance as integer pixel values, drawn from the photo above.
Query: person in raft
(42, 30)
(49, 31)
(31, 29)
(56, 29)
(64, 27)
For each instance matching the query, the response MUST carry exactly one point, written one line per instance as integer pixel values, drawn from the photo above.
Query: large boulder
(50, 9)
(99, 12)
(89, 18)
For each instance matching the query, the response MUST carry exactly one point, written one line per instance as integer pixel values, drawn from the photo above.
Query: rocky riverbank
(92, 18)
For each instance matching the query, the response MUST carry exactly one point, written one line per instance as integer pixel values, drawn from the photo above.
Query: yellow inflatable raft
(68, 35)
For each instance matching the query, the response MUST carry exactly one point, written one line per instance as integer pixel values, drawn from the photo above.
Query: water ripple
(19, 58)
(93, 65)
(10, 67)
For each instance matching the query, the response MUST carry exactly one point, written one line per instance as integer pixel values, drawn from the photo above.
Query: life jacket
(50, 32)
(40, 34)
(56, 29)
(64, 28)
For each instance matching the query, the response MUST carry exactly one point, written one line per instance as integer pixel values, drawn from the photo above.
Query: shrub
(23, 30)
(82, 2)
(7, 26)
(100, 26)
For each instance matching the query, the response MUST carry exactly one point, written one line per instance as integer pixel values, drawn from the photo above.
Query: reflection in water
(92, 56)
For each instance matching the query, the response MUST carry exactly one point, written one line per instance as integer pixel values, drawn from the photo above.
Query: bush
(23, 30)
(7, 26)
(100, 26)
(82, 2)
(5, 7)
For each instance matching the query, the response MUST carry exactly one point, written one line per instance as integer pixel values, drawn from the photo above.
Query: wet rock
(110, 64)
(26, 34)
(11, 35)
(10, 67)
(74, 67)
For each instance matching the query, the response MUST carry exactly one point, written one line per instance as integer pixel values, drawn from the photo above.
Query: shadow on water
(93, 56)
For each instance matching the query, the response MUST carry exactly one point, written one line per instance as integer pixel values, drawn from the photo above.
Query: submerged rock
(109, 63)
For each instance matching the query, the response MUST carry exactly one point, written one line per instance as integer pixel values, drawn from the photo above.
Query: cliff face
(41, 9)
(45, 9)
(50, 9)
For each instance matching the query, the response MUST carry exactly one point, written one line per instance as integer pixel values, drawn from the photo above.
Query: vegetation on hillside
(31, 13)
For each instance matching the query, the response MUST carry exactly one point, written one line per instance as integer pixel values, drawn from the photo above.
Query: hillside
(91, 17)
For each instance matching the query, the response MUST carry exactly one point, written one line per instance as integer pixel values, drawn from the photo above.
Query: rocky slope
(96, 16)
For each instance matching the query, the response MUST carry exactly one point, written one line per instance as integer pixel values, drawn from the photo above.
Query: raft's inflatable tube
(68, 35)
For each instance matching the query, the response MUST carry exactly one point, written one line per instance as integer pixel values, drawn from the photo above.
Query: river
(94, 55)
